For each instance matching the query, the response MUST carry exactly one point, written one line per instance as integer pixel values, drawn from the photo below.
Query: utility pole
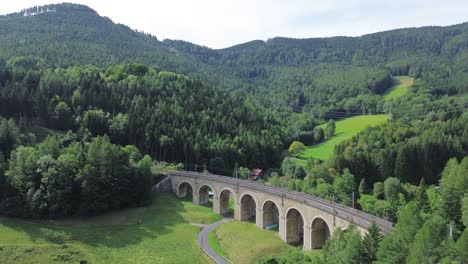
(295, 185)
(353, 199)
(451, 230)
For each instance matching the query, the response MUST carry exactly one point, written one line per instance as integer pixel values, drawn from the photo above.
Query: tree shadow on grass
(109, 229)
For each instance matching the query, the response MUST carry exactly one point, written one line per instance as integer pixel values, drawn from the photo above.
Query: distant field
(244, 243)
(345, 129)
(161, 233)
(401, 88)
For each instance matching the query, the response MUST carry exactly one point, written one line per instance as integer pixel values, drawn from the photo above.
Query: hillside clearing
(401, 87)
(345, 129)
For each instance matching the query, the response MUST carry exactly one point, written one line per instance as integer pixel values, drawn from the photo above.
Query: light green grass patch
(402, 87)
(213, 242)
(244, 243)
(345, 129)
(160, 233)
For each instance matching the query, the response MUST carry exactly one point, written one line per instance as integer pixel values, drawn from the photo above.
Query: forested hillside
(91, 111)
(169, 116)
(340, 74)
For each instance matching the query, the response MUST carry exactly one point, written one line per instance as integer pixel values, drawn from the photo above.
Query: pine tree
(421, 197)
(370, 244)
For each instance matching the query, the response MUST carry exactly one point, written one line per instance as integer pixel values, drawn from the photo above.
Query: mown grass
(244, 243)
(402, 87)
(160, 233)
(345, 129)
(213, 242)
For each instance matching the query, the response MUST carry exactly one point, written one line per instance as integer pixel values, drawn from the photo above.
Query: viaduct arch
(301, 218)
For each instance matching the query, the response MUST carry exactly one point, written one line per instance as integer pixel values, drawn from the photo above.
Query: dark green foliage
(169, 116)
(344, 186)
(465, 209)
(299, 172)
(370, 244)
(453, 186)
(319, 135)
(410, 149)
(331, 126)
(378, 190)
(54, 180)
(461, 246)
(362, 187)
(395, 247)
(421, 197)
(9, 136)
(343, 247)
(341, 74)
(391, 188)
(427, 240)
(3, 182)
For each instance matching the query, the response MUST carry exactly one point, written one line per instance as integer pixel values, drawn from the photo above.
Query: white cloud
(221, 23)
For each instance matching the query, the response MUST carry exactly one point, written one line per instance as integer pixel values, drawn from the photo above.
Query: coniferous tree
(370, 244)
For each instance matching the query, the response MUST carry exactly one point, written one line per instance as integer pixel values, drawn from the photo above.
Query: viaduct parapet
(301, 218)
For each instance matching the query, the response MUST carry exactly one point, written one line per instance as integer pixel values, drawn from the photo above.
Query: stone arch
(320, 232)
(294, 226)
(248, 206)
(184, 188)
(224, 196)
(271, 213)
(204, 193)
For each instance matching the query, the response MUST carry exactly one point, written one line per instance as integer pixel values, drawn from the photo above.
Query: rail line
(353, 215)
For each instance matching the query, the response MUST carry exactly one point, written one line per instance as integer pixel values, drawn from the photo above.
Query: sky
(221, 23)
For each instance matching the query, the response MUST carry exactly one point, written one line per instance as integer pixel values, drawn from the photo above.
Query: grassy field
(160, 233)
(401, 88)
(345, 129)
(244, 243)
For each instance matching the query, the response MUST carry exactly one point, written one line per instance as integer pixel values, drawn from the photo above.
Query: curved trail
(203, 241)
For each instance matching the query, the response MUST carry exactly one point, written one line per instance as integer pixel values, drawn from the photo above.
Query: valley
(355, 147)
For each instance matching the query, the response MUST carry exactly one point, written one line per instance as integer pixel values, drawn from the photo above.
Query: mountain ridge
(279, 70)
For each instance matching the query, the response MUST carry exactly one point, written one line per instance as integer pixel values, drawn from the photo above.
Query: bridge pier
(237, 211)
(282, 229)
(196, 198)
(259, 218)
(307, 242)
(216, 205)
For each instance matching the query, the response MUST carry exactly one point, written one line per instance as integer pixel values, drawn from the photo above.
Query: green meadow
(402, 87)
(160, 233)
(244, 243)
(345, 129)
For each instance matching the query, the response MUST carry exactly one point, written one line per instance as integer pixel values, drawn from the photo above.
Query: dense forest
(90, 111)
(169, 116)
(340, 74)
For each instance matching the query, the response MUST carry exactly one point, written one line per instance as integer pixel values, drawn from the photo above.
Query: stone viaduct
(301, 218)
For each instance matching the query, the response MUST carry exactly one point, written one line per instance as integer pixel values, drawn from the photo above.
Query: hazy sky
(220, 23)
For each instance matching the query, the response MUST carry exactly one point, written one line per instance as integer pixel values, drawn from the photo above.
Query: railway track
(353, 215)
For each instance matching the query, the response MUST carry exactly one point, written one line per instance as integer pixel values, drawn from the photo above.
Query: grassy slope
(161, 233)
(402, 87)
(244, 243)
(349, 127)
(345, 129)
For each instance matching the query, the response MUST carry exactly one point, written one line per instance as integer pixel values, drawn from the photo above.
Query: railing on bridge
(351, 214)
